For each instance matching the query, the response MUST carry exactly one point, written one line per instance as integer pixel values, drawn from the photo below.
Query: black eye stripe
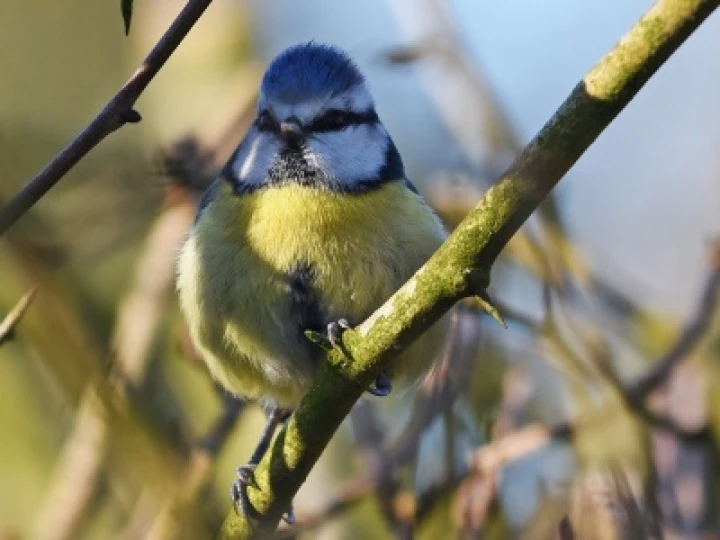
(336, 120)
(266, 122)
(332, 120)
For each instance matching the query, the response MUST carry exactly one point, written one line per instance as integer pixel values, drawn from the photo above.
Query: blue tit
(311, 221)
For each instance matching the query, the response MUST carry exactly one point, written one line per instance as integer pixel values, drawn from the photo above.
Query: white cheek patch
(350, 156)
(255, 157)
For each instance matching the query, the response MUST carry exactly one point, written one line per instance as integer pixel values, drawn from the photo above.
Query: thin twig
(516, 445)
(635, 394)
(11, 320)
(118, 111)
(439, 388)
(212, 442)
(485, 460)
(689, 337)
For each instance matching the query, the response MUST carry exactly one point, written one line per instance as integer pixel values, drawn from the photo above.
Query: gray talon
(344, 324)
(335, 331)
(238, 492)
(289, 517)
(246, 474)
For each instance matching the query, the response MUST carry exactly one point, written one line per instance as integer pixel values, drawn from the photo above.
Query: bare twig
(378, 472)
(118, 111)
(635, 394)
(218, 433)
(439, 388)
(486, 460)
(11, 320)
(689, 337)
(516, 445)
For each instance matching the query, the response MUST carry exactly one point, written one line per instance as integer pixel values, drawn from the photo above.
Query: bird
(310, 227)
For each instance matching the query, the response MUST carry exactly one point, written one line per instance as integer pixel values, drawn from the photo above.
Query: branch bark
(461, 266)
(118, 111)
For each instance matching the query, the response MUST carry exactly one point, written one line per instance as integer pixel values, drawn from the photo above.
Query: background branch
(11, 320)
(461, 266)
(689, 336)
(118, 111)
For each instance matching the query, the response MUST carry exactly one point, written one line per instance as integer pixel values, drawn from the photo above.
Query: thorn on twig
(11, 320)
(110, 118)
(120, 118)
(131, 116)
(489, 307)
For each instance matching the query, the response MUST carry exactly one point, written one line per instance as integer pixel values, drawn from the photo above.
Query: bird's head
(316, 125)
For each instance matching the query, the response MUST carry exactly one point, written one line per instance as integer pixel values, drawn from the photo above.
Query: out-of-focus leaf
(126, 7)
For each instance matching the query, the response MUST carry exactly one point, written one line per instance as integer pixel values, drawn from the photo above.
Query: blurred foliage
(103, 402)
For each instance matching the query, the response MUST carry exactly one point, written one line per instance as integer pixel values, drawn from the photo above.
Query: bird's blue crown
(310, 70)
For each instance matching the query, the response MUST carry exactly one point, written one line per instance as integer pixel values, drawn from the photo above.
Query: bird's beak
(291, 130)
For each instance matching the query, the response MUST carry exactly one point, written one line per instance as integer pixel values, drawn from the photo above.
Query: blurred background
(594, 415)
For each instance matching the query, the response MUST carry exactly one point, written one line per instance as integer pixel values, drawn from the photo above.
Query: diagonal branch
(118, 111)
(461, 266)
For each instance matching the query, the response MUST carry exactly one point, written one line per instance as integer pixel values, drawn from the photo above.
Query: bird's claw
(241, 502)
(382, 387)
(289, 516)
(335, 331)
(238, 493)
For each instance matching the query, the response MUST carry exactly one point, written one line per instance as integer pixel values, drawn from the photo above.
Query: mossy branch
(461, 267)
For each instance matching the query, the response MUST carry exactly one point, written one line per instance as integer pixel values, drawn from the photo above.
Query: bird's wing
(411, 186)
(209, 195)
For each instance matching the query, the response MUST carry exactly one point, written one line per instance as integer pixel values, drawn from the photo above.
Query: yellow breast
(238, 275)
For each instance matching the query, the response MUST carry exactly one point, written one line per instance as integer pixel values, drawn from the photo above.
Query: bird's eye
(332, 120)
(265, 121)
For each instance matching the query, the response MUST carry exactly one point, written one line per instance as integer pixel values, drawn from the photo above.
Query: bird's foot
(241, 502)
(332, 338)
(335, 331)
(382, 386)
(239, 496)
